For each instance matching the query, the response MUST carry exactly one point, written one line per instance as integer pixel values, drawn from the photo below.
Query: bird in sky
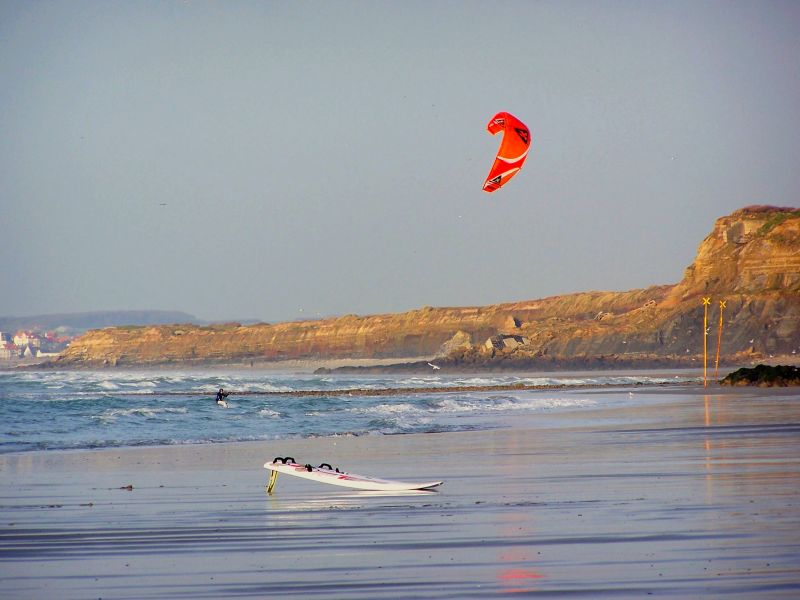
(434, 367)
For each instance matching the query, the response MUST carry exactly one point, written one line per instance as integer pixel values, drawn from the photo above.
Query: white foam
(265, 386)
(473, 404)
(140, 384)
(402, 408)
(112, 414)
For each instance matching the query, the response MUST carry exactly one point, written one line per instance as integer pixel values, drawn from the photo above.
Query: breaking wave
(86, 409)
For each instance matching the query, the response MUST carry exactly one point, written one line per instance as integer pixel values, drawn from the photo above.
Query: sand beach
(684, 492)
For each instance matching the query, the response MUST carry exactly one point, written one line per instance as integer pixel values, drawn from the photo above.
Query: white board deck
(350, 480)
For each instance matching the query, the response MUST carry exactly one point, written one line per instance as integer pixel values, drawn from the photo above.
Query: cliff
(751, 260)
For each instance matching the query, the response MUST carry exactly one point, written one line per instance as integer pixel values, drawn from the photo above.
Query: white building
(27, 338)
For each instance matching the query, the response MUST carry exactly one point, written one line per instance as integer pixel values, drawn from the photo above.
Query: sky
(287, 160)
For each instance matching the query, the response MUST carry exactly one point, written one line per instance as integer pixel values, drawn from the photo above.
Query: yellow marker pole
(719, 339)
(706, 302)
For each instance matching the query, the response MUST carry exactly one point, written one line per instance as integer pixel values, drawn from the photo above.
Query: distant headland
(748, 267)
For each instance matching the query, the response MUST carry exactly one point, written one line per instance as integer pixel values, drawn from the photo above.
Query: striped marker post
(706, 302)
(719, 339)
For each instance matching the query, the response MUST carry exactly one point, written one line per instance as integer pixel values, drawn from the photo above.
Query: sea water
(44, 410)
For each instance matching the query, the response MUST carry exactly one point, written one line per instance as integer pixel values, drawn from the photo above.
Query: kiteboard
(325, 473)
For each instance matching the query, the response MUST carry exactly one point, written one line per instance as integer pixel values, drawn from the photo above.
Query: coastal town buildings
(31, 344)
(27, 338)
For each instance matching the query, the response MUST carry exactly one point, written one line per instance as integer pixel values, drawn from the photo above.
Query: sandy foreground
(682, 493)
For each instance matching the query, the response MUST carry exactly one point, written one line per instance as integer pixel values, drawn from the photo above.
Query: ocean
(57, 410)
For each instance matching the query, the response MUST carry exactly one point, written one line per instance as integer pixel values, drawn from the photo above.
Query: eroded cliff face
(752, 251)
(751, 260)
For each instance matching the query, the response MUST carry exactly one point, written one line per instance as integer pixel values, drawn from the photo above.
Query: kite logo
(496, 180)
(524, 135)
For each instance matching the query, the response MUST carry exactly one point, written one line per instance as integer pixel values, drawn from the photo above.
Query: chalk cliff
(751, 260)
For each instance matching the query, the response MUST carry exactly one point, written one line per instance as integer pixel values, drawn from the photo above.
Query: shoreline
(410, 365)
(516, 387)
(621, 501)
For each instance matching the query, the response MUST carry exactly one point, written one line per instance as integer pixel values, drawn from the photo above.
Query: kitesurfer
(221, 395)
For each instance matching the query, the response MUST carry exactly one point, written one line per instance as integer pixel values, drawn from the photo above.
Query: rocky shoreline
(765, 376)
(524, 364)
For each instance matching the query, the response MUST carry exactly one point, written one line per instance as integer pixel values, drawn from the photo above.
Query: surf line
(512, 387)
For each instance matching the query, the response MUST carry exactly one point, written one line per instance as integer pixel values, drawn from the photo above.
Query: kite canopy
(513, 149)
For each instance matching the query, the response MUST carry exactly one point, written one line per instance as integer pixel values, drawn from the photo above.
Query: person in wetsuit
(221, 395)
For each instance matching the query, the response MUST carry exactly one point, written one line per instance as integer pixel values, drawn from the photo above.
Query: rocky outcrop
(751, 261)
(765, 376)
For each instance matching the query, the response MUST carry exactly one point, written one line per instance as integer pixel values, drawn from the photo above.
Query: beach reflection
(708, 446)
(735, 437)
(520, 580)
(518, 575)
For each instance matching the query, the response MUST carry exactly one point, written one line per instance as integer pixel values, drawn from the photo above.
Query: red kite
(513, 149)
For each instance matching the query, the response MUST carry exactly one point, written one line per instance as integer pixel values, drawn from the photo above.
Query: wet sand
(681, 493)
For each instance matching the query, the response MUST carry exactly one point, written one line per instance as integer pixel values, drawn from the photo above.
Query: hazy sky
(279, 160)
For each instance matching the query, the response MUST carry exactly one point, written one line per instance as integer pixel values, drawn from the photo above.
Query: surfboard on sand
(325, 473)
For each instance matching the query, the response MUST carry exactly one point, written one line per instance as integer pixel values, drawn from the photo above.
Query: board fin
(273, 479)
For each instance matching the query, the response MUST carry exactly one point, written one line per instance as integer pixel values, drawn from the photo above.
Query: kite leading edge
(513, 149)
